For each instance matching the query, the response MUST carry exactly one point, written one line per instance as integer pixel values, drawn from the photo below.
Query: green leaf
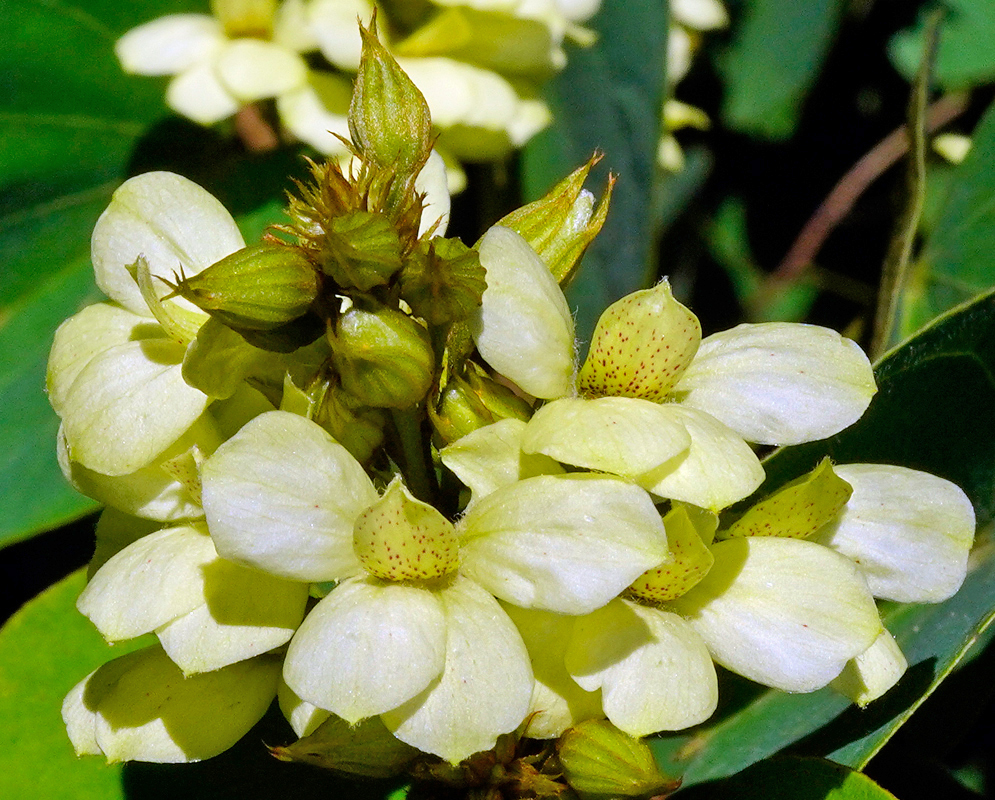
(795, 779)
(776, 56)
(965, 58)
(609, 98)
(955, 264)
(933, 412)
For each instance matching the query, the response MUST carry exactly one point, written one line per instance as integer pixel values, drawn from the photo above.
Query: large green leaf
(956, 263)
(777, 54)
(934, 411)
(609, 99)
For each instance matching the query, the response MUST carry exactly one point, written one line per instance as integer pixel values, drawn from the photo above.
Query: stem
(415, 462)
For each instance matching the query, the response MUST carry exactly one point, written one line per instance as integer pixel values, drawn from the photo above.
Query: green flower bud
(262, 287)
(366, 748)
(384, 358)
(357, 428)
(600, 760)
(561, 225)
(360, 250)
(473, 402)
(443, 281)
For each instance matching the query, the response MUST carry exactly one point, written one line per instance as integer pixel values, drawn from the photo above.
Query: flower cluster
(480, 66)
(359, 468)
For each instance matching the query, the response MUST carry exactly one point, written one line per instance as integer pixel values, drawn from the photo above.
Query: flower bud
(599, 759)
(384, 358)
(471, 403)
(357, 428)
(261, 287)
(360, 250)
(366, 748)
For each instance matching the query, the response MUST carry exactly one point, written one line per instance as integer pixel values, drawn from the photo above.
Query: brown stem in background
(852, 185)
(255, 131)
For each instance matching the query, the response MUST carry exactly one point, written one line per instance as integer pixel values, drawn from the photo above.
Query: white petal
(701, 15)
(245, 613)
(719, 468)
(523, 328)
(171, 221)
(143, 709)
(252, 69)
(779, 382)
(114, 532)
(81, 720)
(782, 612)
(86, 335)
(282, 496)
(491, 457)
(367, 648)
(304, 717)
(485, 688)
(128, 405)
(170, 44)
(873, 672)
(148, 583)
(621, 435)
(198, 94)
(433, 181)
(557, 701)
(334, 25)
(303, 114)
(908, 531)
(567, 544)
(654, 671)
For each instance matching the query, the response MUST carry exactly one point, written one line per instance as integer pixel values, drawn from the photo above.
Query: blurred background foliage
(777, 201)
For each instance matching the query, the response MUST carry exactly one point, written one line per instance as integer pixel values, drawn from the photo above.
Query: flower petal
(908, 531)
(367, 648)
(718, 470)
(654, 671)
(304, 717)
(873, 672)
(491, 457)
(244, 613)
(141, 708)
(170, 44)
(198, 94)
(252, 69)
(567, 544)
(283, 496)
(333, 23)
(485, 688)
(523, 328)
(171, 221)
(433, 182)
(557, 701)
(779, 382)
(621, 435)
(304, 114)
(128, 405)
(786, 613)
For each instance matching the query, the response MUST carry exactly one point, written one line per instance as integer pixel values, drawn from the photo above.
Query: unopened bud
(383, 357)
(261, 287)
(443, 281)
(471, 403)
(359, 429)
(599, 759)
(360, 250)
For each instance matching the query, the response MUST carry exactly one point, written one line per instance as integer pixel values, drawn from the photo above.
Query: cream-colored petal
(557, 701)
(368, 647)
(433, 181)
(245, 613)
(252, 69)
(873, 672)
(702, 15)
(908, 531)
(523, 328)
(171, 221)
(492, 457)
(304, 115)
(561, 543)
(291, 28)
(779, 382)
(198, 94)
(304, 717)
(485, 688)
(151, 492)
(86, 335)
(654, 671)
(282, 496)
(128, 405)
(81, 720)
(170, 44)
(143, 709)
(149, 583)
(114, 532)
(335, 24)
(621, 435)
(786, 613)
(718, 470)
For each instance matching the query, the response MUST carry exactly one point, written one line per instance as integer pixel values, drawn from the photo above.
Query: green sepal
(261, 287)
(367, 749)
(443, 280)
(360, 250)
(599, 761)
(798, 509)
(561, 225)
